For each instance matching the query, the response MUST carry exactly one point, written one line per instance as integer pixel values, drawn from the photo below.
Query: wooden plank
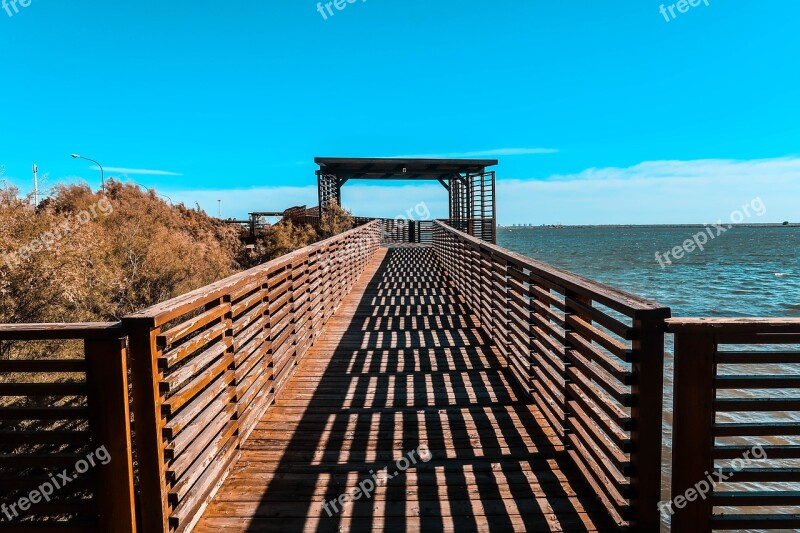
(756, 498)
(595, 315)
(43, 389)
(758, 382)
(184, 329)
(755, 405)
(43, 365)
(734, 325)
(182, 351)
(754, 429)
(757, 358)
(44, 413)
(75, 331)
(377, 383)
(747, 522)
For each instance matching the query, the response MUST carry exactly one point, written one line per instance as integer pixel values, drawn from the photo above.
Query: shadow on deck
(404, 364)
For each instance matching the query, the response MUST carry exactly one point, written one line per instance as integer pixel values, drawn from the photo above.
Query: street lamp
(102, 172)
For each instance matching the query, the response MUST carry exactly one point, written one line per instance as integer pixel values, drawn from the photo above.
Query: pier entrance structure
(470, 186)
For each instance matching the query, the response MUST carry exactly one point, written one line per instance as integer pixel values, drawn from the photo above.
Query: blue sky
(601, 112)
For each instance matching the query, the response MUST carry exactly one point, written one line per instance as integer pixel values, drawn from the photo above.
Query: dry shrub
(277, 240)
(135, 253)
(138, 252)
(335, 220)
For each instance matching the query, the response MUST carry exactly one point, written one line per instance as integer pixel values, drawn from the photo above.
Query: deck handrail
(92, 432)
(163, 312)
(710, 383)
(208, 364)
(617, 299)
(590, 356)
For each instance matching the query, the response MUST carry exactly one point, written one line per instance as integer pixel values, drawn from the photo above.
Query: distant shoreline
(599, 226)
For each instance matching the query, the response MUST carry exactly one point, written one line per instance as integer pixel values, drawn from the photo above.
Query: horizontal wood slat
(350, 409)
(591, 357)
(736, 418)
(209, 364)
(65, 416)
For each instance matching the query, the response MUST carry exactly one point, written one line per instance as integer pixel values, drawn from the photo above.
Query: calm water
(743, 272)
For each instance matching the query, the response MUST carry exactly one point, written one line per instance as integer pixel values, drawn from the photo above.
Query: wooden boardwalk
(403, 364)
(399, 402)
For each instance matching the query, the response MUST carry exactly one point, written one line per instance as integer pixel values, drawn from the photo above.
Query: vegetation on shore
(80, 255)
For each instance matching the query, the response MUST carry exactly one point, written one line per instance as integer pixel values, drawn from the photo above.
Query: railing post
(149, 425)
(566, 422)
(692, 429)
(647, 414)
(532, 337)
(107, 382)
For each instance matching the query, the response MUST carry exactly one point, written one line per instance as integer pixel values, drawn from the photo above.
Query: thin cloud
(359, 197)
(654, 192)
(484, 153)
(140, 171)
(697, 169)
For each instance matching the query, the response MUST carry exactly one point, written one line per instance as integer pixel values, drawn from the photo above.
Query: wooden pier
(478, 389)
(403, 364)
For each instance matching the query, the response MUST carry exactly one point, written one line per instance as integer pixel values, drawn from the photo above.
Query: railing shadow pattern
(590, 356)
(207, 365)
(545, 396)
(359, 404)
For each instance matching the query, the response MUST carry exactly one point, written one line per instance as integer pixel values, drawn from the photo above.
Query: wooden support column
(107, 382)
(568, 347)
(647, 413)
(145, 376)
(692, 432)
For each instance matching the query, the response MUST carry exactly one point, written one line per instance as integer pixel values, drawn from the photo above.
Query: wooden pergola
(471, 188)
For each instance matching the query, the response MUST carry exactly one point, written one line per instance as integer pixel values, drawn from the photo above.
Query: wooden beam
(692, 432)
(107, 381)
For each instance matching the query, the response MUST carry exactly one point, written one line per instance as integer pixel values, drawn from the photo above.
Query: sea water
(746, 272)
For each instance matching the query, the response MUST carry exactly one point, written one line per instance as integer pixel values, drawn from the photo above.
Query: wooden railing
(208, 364)
(591, 358)
(484, 229)
(736, 382)
(399, 231)
(65, 436)
(423, 231)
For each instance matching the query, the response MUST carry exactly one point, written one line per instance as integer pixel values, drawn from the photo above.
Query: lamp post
(35, 185)
(102, 172)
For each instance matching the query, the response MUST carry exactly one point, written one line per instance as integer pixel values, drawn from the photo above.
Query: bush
(84, 256)
(277, 240)
(335, 220)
